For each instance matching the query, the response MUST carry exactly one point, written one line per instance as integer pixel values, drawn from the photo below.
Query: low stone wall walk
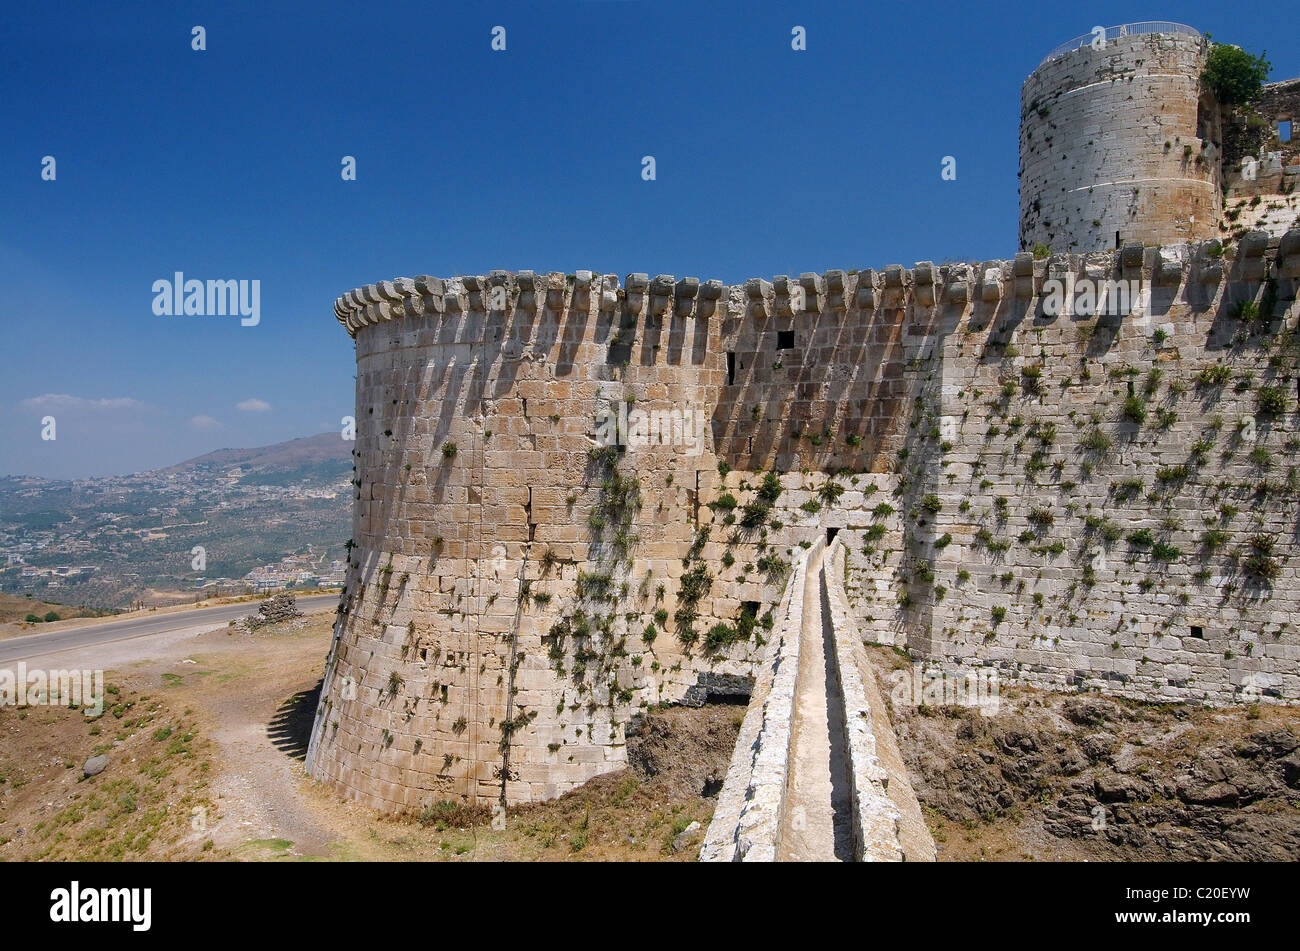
(746, 825)
(751, 814)
(887, 822)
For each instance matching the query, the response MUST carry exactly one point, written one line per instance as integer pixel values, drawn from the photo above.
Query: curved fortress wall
(1115, 146)
(511, 606)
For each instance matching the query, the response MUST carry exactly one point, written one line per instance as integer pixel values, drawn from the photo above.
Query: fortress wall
(464, 565)
(1109, 143)
(1117, 613)
(442, 639)
(1280, 101)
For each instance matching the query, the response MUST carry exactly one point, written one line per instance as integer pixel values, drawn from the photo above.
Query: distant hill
(16, 608)
(304, 452)
(108, 542)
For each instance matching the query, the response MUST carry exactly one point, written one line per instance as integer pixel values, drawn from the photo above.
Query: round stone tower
(1116, 142)
(511, 554)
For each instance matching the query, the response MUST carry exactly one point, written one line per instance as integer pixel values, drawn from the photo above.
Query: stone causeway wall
(747, 822)
(875, 816)
(1083, 501)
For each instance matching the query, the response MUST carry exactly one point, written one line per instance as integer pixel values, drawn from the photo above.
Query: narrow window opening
(785, 340)
(1198, 631)
(1117, 239)
(731, 368)
(1284, 130)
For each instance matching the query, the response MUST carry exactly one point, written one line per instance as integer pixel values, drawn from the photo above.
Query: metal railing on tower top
(1115, 32)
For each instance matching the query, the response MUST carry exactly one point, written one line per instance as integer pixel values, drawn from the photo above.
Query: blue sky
(226, 164)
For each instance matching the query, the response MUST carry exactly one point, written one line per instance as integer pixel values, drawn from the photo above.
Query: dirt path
(817, 824)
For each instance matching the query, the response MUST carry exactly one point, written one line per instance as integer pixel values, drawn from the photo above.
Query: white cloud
(204, 422)
(65, 401)
(253, 406)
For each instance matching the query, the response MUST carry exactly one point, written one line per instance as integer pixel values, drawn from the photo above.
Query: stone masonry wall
(513, 601)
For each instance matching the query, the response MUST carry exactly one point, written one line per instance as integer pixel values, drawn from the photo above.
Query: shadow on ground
(290, 728)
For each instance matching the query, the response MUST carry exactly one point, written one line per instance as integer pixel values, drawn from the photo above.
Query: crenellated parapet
(1253, 260)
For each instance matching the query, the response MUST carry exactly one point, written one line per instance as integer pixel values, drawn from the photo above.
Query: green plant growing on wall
(1216, 374)
(830, 492)
(755, 512)
(1246, 311)
(1135, 409)
(1032, 378)
(1127, 489)
(1260, 562)
(772, 565)
(1162, 551)
(1141, 539)
(1041, 517)
(1096, 441)
(1270, 400)
(1212, 539)
(726, 502)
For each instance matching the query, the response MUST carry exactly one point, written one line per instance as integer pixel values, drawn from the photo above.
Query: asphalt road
(37, 645)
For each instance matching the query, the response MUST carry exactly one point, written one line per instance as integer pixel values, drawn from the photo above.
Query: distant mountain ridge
(297, 453)
(283, 509)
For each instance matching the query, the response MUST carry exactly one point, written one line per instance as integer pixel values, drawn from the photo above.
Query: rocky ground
(198, 755)
(1087, 777)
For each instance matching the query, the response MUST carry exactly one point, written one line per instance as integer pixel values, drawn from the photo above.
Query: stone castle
(1095, 493)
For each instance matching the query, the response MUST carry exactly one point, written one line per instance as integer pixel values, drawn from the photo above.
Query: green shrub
(725, 502)
(1233, 75)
